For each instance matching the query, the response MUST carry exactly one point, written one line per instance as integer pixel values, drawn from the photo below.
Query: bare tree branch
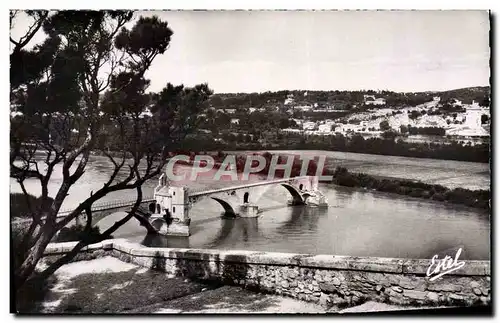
(32, 30)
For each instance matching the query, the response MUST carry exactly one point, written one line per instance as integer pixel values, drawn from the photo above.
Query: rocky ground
(108, 285)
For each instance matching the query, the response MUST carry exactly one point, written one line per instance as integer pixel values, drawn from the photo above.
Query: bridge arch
(228, 209)
(297, 197)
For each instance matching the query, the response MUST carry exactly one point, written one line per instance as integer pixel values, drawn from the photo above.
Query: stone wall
(329, 280)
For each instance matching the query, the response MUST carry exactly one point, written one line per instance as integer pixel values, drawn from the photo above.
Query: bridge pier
(248, 211)
(176, 229)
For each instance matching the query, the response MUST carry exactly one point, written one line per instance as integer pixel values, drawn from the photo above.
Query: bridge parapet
(204, 191)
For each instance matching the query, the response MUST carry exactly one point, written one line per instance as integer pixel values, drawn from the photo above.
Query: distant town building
(370, 99)
(291, 130)
(325, 127)
(309, 125)
(343, 128)
(303, 107)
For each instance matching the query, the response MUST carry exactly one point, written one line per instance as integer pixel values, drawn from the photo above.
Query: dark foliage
(432, 131)
(20, 204)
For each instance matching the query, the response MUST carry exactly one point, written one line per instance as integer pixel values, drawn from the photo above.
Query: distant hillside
(343, 100)
(467, 95)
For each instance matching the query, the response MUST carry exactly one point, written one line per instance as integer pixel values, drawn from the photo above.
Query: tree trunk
(24, 272)
(145, 223)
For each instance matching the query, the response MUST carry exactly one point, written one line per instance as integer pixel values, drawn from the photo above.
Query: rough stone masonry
(338, 281)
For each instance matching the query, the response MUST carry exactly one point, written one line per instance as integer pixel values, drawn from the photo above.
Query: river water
(357, 222)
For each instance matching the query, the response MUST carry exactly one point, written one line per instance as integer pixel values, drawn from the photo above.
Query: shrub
(416, 192)
(384, 125)
(389, 135)
(19, 205)
(440, 189)
(388, 186)
(365, 180)
(402, 190)
(340, 171)
(417, 184)
(438, 197)
(346, 180)
(426, 194)
(18, 250)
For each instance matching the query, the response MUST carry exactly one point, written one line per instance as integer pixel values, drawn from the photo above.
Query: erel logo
(441, 267)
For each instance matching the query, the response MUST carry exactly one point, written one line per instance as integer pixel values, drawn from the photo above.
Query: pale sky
(242, 51)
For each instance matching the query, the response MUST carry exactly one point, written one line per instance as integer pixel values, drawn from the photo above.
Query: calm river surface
(357, 222)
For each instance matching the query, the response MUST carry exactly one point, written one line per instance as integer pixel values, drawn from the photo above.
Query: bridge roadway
(204, 191)
(103, 209)
(105, 206)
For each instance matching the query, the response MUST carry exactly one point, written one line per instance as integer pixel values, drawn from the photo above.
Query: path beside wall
(325, 279)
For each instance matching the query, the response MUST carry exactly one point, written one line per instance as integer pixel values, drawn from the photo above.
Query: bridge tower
(177, 206)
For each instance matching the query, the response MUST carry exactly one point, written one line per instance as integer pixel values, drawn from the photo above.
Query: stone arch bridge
(172, 203)
(239, 200)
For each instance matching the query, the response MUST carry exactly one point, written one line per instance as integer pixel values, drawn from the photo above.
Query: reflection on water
(302, 218)
(244, 229)
(156, 240)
